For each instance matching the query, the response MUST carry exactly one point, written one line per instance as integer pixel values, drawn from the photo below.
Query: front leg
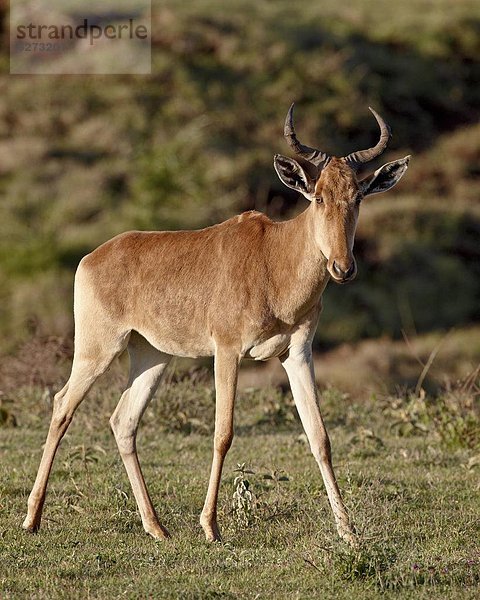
(298, 364)
(226, 374)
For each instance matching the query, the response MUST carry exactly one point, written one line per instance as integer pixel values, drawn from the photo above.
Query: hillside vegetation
(83, 158)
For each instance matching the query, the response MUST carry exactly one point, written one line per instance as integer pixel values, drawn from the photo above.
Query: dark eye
(319, 200)
(358, 199)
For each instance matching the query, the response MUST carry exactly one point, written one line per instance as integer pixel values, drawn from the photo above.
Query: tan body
(247, 287)
(215, 275)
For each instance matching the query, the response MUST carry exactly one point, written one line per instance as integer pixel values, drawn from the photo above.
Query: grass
(409, 479)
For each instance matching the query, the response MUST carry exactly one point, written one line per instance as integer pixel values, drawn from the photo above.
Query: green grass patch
(412, 492)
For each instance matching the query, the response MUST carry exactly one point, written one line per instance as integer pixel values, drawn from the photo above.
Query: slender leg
(146, 369)
(84, 373)
(298, 364)
(226, 373)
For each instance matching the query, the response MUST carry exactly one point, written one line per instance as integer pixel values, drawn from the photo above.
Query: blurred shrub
(41, 362)
(185, 406)
(85, 158)
(452, 416)
(173, 183)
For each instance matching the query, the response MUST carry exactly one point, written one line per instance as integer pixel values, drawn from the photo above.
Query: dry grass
(382, 365)
(407, 465)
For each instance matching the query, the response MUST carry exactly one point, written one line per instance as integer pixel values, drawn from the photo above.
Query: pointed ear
(385, 177)
(293, 176)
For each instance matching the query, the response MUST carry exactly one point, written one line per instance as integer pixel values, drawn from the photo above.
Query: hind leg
(147, 366)
(85, 370)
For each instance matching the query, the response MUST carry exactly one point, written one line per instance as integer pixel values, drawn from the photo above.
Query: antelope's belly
(179, 343)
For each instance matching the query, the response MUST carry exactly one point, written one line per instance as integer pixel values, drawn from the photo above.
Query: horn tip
(380, 120)
(288, 128)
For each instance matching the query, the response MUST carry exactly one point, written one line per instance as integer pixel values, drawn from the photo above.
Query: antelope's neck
(298, 267)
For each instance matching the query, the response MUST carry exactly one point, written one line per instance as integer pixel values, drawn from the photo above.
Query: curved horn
(316, 157)
(355, 159)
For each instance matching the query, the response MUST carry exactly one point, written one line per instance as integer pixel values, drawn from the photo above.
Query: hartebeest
(248, 287)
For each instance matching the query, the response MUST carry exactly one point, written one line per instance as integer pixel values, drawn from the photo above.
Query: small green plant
(456, 420)
(84, 454)
(275, 477)
(453, 417)
(244, 501)
(266, 503)
(367, 561)
(410, 415)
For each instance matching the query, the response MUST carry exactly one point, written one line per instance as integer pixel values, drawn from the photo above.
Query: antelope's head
(336, 193)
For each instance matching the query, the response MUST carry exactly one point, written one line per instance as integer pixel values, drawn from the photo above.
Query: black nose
(344, 274)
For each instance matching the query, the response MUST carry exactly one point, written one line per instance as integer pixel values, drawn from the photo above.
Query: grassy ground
(408, 467)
